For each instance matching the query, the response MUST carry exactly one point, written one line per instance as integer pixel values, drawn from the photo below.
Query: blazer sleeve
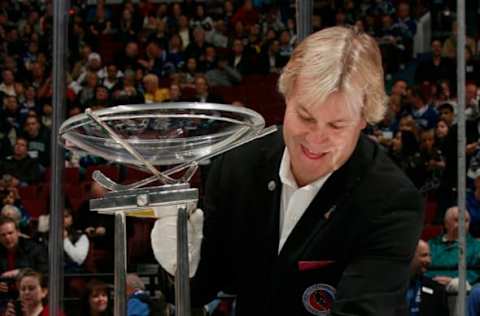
(375, 280)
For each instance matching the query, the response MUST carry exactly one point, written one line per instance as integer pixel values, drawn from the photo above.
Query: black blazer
(351, 248)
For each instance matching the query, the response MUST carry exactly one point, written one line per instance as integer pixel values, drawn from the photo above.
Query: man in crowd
(16, 253)
(425, 296)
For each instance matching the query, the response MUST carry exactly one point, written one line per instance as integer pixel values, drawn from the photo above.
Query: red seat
(28, 192)
(70, 175)
(431, 231)
(35, 207)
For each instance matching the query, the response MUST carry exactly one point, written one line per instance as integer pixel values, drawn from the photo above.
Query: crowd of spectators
(153, 51)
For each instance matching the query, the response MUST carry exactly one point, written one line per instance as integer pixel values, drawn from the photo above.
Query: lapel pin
(329, 212)
(271, 185)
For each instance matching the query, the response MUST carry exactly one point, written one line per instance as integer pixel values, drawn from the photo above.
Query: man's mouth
(312, 155)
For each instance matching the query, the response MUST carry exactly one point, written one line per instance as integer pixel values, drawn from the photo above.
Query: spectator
(129, 93)
(175, 56)
(286, 48)
(129, 58)
(444, 250)
(9, 86)
(87, 92)
(102, 99)
(441, 133)
(240, 59)
(96, 301)
(399, 88)
(202, 93)
(435, 67)
(30, 103)
(269, 60)
(99, 228)
(201, 20)
(32, 287)
(447, 113)
(472, 111)
(184, 31)
(217, 37)
(112, 80)
(210, 59)
(424, 114)
(473, 206)
(12, 203)
(223, 75)
(17, 253)
(246, 14)
(449, 48)
(38, 138)
(197, 48)
(138, 301)
(425, 296)
(10, 118)
(175, 93)
(20, 166)
(75, 245)
(153, 93)
(155, 58)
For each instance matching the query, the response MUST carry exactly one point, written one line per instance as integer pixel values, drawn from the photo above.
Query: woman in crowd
(32, 288)
(95, 301)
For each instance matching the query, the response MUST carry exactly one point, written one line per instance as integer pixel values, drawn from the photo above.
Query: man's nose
(317, 134)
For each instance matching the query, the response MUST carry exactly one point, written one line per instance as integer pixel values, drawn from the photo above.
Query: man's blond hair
(338, 59)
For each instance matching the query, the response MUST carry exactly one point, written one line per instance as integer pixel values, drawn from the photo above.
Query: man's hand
(10, 311)
(90, 231)
(10, 274)
(164, 241)
(3, 287)
(444, 280)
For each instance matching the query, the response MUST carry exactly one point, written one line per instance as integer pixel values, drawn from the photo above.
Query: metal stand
(120, 306)
(151, 202)
(182, 283)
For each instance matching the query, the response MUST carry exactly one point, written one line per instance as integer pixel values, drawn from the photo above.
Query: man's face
(436, 48)
(451, 224)
(319, 137)
(201, 86)
(8, 235)
(422, 259)
(447, 115)
(32, 126)
(470, 93)
(21, 148)
(399, 88)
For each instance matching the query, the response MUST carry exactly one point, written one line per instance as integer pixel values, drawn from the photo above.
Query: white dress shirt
(294, 200)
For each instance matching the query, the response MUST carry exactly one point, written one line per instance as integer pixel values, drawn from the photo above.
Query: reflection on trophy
(176, 135)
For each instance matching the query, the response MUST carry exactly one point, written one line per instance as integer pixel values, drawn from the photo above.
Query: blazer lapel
(269, 192)
(329, 200)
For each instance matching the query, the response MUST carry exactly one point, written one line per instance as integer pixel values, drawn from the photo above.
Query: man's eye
(306, 118)
(336, 126)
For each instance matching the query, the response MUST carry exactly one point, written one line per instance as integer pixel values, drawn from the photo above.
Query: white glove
(164, 241)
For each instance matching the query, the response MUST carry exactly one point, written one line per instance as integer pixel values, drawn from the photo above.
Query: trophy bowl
(162, 133)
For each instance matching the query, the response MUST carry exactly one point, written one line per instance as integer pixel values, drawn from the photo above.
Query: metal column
(304, 18)
(461, 156)
(55, 249)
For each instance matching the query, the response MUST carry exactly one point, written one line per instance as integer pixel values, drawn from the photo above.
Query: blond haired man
(313, 220)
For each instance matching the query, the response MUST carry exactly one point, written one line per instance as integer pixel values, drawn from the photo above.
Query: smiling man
(315, 219)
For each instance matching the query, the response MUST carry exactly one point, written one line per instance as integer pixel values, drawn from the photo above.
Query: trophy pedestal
(178, 134)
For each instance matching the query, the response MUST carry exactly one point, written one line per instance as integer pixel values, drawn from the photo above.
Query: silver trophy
(177, 136)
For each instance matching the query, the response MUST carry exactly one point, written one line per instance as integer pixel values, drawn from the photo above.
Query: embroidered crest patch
(318, 299)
